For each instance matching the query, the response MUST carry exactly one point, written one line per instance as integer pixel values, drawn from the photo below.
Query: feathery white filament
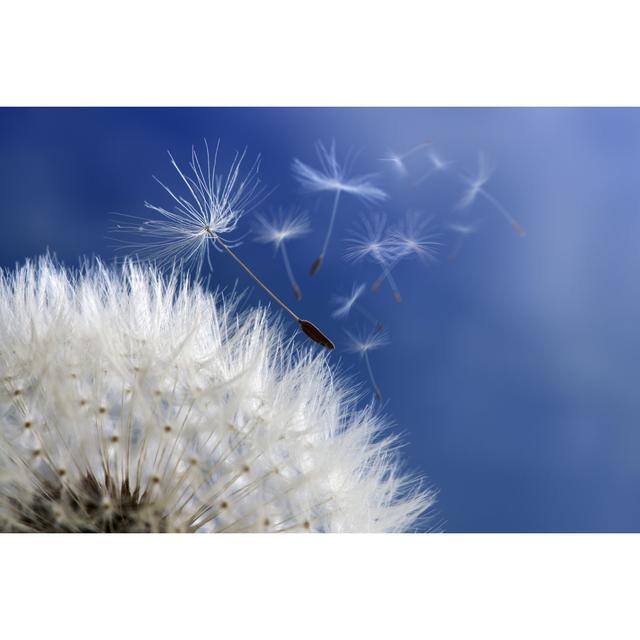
(332, 176)
(211, 205)
(476, 186)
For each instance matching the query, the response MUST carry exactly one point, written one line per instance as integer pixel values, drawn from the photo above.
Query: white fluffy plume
(136, 402)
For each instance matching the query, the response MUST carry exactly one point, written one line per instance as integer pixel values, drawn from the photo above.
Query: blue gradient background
(512, 372)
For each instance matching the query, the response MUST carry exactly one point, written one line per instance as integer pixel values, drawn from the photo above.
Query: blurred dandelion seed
(476, 184)
(397, 160)
(462, 231)
(282, 226)
(213, 205)
(344, 303)
(438, 165)
(370, 240)
(362, 344)
(333, 176)
(413, 237)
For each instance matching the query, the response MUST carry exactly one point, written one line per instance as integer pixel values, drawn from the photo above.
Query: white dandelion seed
(476, 186)
(186, 416)
(371, 240)
(282, 226)
(362, 344)
(202, 218)
(462, 231)
(344, 303)
(414, 237)
(212, 204)
(397, 160)
(332, 176)
(438, 165)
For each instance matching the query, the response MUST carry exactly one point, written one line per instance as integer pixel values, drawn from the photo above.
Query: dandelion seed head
(136, 401)
(281, 225)
(344, 303)
(396, 161)
(462, 229)
(363, 342)
(370, 240)
(209, 204)
(415, 236)
(332, 176)
(476, 182)
(437, 162)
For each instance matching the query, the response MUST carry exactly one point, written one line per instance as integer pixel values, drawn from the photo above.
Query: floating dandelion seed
(397, 160)
(462, 231)
(281, 227)
(212, 205)
(187, 417)
(476, 185)
(371, 241)
(332, 176)
(345, 303)
(437, 165)
(413, 237)
(211, 209)
(362, 344)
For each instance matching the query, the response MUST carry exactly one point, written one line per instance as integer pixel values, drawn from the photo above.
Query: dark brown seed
(317, 263)
(396, 297)
(315, 334)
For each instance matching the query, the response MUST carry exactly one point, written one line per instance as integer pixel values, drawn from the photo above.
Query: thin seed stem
(307, 327)
(384, 275)
(508, 217)
(392, 282)
(366, 314)
(255, 277)
(456, 248)
(287, 266)
(331, 221)
(422, 178)
(411, 151)
(371, 376)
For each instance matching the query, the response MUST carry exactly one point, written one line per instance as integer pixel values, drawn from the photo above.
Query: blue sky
(512, 371)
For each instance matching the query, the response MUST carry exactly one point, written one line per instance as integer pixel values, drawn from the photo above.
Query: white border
(315, 586)
(333, 52)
